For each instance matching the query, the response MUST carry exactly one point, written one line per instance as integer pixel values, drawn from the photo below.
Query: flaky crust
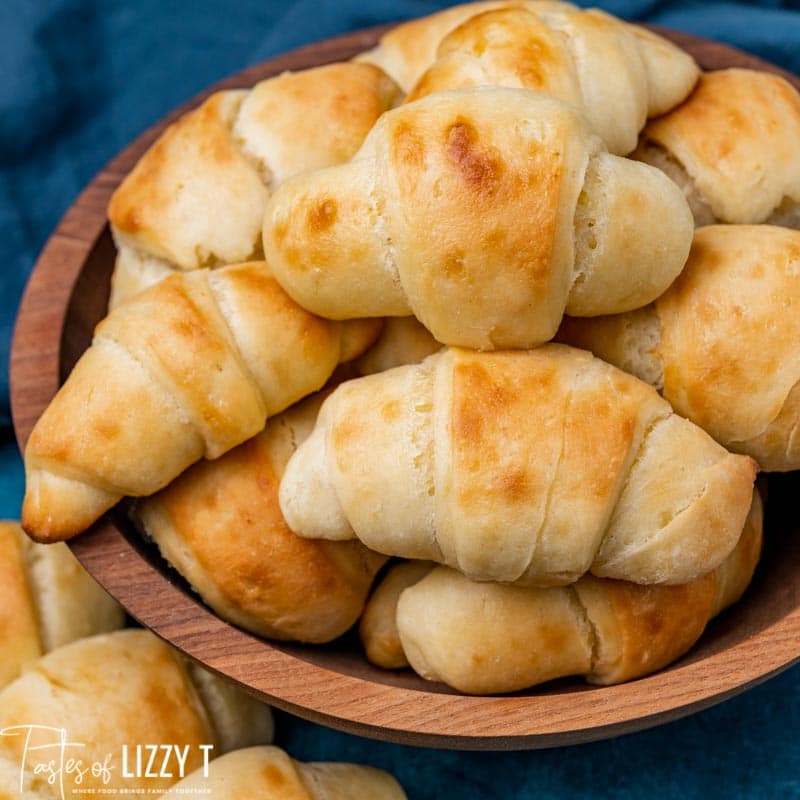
(220, 526)
(461, 209)
(487, 638)
(197, 196)
(736, 139)
(586, 58)
(188, 369)
(269, 773)
(721, 342)
(532, 467)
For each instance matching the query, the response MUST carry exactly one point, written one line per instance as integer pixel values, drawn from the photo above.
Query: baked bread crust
(408, 50)
(125, 688)
(426, 220)
(269, 773)
(197, 197)
(188, 369)
(378, 627)
(14, 786)
(533, 467)
(48, 600)
(220, 526)
(721, 342)
(487, 638)
(589, 59)
(20, 640)
(733, 144)
(193, 199)
(402, 340)
(745, 395)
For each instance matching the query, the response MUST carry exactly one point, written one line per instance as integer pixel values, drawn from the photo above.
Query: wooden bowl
(333, 684)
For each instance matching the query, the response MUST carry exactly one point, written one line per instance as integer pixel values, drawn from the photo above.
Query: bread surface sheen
(409, 49)
(126, 688)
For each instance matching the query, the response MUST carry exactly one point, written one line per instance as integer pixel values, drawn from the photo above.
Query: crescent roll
(220, 526)
(487, 638)
(197, 196)
(722, 343)
(186, 370)
(408, 50)
(48, 600)
(125, 688)
(732, 148)
(268, 773)
(589, 59)
(532, 467)
(485, 212)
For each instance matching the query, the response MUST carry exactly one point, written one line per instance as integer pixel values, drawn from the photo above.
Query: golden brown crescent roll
(378, 627)
(197, 196)
(268, 773)
(487, 638)
(220, 526)
(586, 58)
(408, 50)
(529, 466)
(122, 689)
(732, 148)
(48, 601)
(485, 212)
(722, 343)
(188, 369)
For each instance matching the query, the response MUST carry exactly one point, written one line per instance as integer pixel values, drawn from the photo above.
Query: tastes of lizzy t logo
(48, 754)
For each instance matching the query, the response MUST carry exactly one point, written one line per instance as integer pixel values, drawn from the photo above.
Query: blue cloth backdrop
(80, 78)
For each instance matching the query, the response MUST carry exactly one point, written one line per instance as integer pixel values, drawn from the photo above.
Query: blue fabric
(80, 78)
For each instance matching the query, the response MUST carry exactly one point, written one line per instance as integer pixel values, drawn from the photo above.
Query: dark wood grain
(333, 685)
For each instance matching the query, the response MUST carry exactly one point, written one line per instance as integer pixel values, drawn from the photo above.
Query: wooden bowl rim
(340, 700)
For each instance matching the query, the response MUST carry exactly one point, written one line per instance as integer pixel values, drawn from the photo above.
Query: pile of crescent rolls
(84, 704)
(504, 312)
